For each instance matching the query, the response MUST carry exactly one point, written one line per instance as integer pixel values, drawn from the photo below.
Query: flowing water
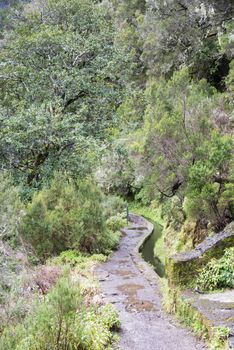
(147, 249)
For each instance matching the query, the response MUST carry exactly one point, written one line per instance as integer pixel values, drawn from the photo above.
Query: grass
(148, 212)
(153, 215)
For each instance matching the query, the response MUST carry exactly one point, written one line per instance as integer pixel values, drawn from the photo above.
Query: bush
(62, 322)
(115, 223)
(74, 257)
(218, 273)
(113, 205)
(68, 215)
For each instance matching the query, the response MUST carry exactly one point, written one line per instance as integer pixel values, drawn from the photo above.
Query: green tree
(211, 183)
(185, 140)
(60, 82)
(128, 16)
(186, 32)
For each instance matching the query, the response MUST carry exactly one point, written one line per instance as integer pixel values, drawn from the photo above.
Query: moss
(183, 273)
(160, 249)
(150, 212)
(185, 237)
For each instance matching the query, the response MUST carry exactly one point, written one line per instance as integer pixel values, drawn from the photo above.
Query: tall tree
(178, 33)
(60, 83)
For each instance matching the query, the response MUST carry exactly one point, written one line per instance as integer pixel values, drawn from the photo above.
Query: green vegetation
(181, 166)
(77, 259)
(218, 273)
(103, 103)
(63, 320)
(9, 9)
(68, 215)
(213, 265)
(149, 212)
(60, 78)
(175, 304)
(220, 336)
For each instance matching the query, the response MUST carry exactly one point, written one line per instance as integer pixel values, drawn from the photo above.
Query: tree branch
(174, 189)
(74, 99)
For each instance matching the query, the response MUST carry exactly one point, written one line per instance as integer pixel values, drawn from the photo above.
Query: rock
(179, 266)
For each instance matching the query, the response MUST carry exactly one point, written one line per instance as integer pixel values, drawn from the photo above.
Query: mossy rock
(182, 268)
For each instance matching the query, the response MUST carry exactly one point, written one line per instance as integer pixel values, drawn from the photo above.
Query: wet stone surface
(218, 308)
(133, 288)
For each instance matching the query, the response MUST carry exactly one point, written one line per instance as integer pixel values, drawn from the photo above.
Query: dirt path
(132, 286)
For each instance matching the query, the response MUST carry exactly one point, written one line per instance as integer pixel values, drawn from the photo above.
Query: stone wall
(182, 267)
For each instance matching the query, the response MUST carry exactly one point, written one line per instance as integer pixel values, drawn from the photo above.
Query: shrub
(113, 205)
(218, 273)
(220, 338)
(44, 277)
(15, 298)
(68, 215)
(74, 257)
(115, 223)
(62, 322)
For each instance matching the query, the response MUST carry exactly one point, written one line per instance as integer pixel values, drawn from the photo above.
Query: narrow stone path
(133, 287)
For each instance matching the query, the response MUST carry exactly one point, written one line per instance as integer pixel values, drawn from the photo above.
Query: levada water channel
(147, 249)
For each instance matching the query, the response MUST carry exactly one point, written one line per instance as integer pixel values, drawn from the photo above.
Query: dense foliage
(100, 99)
(175, 125)
(68, 215)
(219, 273)
(60, 84)
(63, 322)
(179, 132)
(137, 93)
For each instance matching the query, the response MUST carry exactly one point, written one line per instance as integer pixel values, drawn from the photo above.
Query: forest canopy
(136, 93)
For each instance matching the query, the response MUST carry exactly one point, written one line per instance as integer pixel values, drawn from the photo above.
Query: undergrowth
(147, 211)
(63, 321)
(218, 273)
(70, 315)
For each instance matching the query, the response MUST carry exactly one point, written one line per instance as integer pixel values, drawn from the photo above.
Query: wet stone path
(133, 287)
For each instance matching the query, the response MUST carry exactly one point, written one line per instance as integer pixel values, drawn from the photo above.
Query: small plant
(63, 321)
(115, 223)
(218, 273)
(74, 258)
(220, 337)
